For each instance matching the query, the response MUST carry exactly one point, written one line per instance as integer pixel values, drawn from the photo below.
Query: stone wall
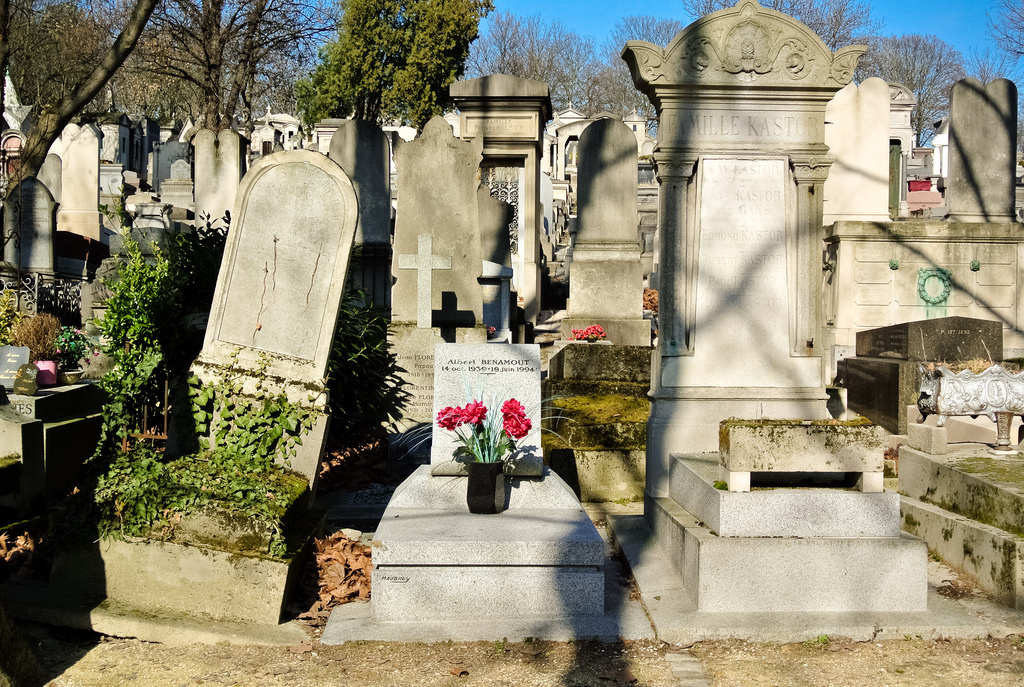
(887, 273)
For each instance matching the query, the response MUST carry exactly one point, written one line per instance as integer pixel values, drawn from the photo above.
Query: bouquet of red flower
(486, 439)
(591, 333)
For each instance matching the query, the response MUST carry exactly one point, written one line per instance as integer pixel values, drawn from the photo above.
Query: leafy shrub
(365, 388)
(39, 334)
(10, 316)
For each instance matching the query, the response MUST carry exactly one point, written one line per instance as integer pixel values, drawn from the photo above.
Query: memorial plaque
(742, 315)
(945, 339)
(25, 380)
(11, 359)
(491, 374)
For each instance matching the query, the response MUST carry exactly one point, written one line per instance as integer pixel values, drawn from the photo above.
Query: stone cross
(424, 263)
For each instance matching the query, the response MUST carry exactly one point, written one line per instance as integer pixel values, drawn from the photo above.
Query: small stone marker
(491, 374)
(25, 380)
(11, 360)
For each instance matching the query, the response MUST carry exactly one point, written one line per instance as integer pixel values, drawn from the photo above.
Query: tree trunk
(49, 125)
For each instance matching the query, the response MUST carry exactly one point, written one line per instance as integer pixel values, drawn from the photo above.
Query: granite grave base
(817, 550)
(542, 558)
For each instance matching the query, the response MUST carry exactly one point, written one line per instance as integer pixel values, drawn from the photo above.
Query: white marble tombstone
(80, 173)
(741, 181)
(857, 135)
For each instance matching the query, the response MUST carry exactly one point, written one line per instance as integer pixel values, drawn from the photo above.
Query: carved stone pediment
(743, 45)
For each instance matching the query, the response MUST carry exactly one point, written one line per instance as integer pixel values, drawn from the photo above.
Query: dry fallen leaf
(458, 672)
(303, 648)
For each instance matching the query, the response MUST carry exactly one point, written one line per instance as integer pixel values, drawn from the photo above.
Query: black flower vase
(486, 491)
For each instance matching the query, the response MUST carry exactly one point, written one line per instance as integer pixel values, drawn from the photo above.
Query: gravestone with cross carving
(436, 297)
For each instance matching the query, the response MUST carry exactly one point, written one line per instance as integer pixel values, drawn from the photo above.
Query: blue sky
(960, 23)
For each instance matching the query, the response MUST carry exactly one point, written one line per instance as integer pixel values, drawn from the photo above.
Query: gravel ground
(73, 659)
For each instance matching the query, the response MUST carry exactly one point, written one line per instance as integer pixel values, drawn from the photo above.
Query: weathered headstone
(49, 175)
(177, 189)
(80, 174)
(982, 151)
(857, 135)
(219, 164)
(29, 217)
(362, 150)
(490, 374)
(164, 156)
(11, 360)
(606, 282)
(436, 297)
(281, 282)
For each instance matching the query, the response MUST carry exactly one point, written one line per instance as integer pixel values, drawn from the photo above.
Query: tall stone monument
(982, 151)
(606, 282)
(80, 173)
(741, 161)
(362, 150)
(275, 308)
(507, 114)
(219, 165)
(436, 296)
(857, 135)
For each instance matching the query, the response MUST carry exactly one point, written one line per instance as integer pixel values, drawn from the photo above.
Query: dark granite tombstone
(25, 380)
(883, 379)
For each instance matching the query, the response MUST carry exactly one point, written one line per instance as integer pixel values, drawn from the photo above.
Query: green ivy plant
(265, 427)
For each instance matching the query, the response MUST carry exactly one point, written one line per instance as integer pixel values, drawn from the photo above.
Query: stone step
(755, 574)
(993, 557)
(970, 480)
(778, 512)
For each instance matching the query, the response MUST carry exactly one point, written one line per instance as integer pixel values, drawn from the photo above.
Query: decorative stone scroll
(743, 44)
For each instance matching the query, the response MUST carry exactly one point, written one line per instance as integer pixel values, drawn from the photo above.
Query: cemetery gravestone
(857, 134)
(281, 282)
(606, 282)
(219, 164)
(49, 175)
(80, 174)
(362, 150)
(11, 360)
(982, 147)
(491, 375)
(29, 216)
(496, 281)
(25, 380)
(177, 190)
(436, 296)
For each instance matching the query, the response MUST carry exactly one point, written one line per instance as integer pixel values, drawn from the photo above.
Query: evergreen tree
(393, 59)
